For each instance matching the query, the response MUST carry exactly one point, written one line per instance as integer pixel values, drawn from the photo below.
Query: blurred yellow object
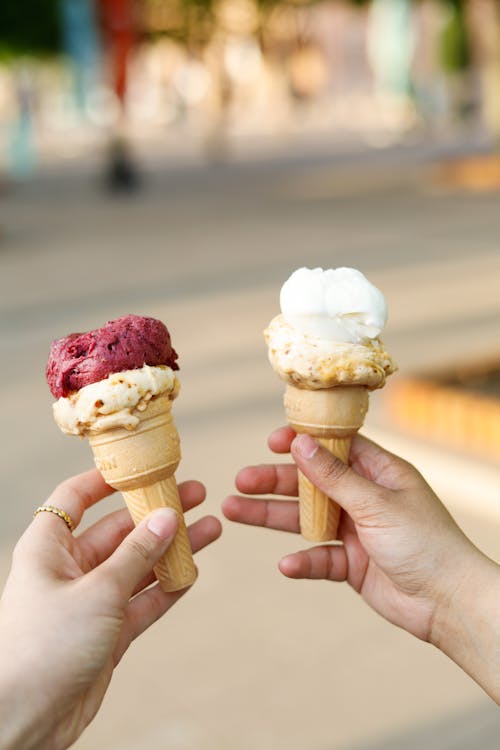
(308, 71)
(460, 419)
(480, 172)
(237, 16)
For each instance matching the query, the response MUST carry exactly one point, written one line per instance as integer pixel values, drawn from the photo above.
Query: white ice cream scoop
(338, 304)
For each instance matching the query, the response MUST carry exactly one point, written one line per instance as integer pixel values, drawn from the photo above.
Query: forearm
(467, 628)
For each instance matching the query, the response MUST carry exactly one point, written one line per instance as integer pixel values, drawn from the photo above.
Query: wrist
(466, 623)
(14, 725)
(22, 702)
(23, 728)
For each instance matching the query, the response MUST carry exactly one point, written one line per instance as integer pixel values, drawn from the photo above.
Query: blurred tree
(190, 22)
(484, 25)
(455, 52)
(29, 26)
(455, 59)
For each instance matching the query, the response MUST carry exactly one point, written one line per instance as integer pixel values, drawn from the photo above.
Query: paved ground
(250, 660)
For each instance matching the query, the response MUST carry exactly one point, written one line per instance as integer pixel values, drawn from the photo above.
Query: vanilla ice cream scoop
(338, 304)
(114, 401)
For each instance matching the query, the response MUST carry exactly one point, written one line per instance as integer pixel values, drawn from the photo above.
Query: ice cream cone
(141, 464)
(332, 416)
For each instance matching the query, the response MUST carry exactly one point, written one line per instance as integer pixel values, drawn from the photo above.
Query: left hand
(72, 605)
(401, 550)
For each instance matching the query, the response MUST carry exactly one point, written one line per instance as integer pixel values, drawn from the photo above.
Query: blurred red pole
(118, 24)
(119, 33)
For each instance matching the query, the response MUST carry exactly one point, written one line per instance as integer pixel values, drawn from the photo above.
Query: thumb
(135, 557)
(361, 498)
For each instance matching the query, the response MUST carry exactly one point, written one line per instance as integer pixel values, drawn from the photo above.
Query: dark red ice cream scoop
(123, 344)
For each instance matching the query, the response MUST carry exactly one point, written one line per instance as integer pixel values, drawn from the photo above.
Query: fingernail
(163, 522)
(306, 446)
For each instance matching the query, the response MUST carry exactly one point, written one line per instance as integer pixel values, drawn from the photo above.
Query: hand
(401, 550)
(73, 604)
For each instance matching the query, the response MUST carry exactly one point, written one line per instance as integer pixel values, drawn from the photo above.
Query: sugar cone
(332, 416)
(141, 464)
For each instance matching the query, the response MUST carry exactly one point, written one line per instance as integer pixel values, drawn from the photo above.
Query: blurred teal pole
(391, 46)
(80, 41)
(21, 151)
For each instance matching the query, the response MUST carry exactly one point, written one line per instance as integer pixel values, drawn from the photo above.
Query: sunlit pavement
(249, 659)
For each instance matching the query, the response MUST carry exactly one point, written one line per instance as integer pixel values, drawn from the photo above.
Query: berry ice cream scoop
(116, 385)
(127, 343)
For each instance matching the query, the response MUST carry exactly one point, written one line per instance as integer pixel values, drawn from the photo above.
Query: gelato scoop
(115, 401)
(338, 304)
(127, 343)
(327, 333)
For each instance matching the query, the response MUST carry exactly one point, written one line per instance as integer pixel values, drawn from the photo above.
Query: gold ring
(58, 512)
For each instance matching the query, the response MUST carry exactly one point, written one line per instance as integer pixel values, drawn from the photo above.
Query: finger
(357, 556)
(146, 582)
(347, 527)
(275, 479)
(374, 462)
(74, 496)
(364, 500)
(142, 612)
(327, 562)
(201, 533)
(282, 515)
(148, 606)
(192, 493)
(280, 440)
(101, 539)
(136, 556)
(204, 532)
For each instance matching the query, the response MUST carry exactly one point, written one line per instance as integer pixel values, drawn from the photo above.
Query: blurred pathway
(250, 660)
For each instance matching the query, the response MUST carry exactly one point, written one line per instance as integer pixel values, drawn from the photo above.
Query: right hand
(402, 551)
(73, 604)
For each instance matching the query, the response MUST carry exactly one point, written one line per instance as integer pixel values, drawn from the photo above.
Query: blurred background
(179, 158)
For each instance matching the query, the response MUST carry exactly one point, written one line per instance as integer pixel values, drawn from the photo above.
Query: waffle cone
(332, 416)
(141, 464)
